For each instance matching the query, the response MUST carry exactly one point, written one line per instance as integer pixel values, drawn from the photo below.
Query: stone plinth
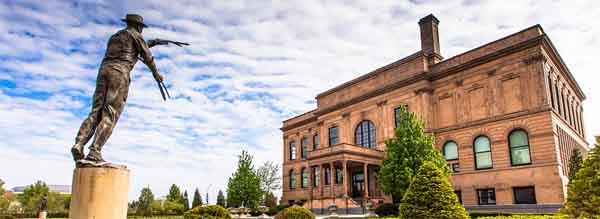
(99, 193)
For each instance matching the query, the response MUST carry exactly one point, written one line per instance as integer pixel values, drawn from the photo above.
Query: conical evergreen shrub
(583, 196)
(430, 195)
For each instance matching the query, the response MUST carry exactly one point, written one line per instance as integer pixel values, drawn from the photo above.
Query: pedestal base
(42, 215)
(99, 193)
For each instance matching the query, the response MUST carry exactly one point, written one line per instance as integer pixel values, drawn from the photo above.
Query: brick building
(506, 116)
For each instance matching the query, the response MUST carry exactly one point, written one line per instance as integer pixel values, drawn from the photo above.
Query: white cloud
(267, 59)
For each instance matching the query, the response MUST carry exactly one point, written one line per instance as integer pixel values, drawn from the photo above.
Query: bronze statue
(112, 86)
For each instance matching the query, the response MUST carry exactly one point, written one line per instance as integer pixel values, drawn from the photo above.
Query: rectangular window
(524, 195)
(292, 150)
(339, 176)
(486, 196)
(455, 168)
(304, 148)
(458, 195)
(397, 118)
(315, 141)
(327, 175)
(333, 136)
(315, 177)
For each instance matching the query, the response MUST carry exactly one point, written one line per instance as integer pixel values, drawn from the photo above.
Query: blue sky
(251, 64)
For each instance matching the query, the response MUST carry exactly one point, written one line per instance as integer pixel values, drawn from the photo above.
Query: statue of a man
(44, 203)
(112, 85)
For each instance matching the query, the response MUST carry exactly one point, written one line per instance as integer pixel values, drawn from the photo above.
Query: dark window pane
(304, 175)
(292, 179)
(455, 168)
(327, 176)
(333, 136)
(315, 142)
(339, 176)
(519, 147)
(365, 134)
(458, 195)
(486, 196)
(524, 195)
(304, 148)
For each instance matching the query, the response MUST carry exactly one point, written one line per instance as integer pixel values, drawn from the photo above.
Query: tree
(186, 201)
(174, 194)
(405, 153)
(270, 200)
(244, 185)
(430, 195)
(221, 199)
(32, 195)
(4, 201)
(574, 163)
(583, 195)
(145, 202)
(270, 178)
(197, 199)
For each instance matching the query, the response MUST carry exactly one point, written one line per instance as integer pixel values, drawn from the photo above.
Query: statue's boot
(95, 156)
(77, 152)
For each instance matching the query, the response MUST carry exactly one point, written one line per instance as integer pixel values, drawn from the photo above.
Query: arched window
(483, 152)
(518, 141)
(365, 134)
(292, 179)
(315, 176)
(303, 148)
(304, 175)
(292, 150)
(450, 150)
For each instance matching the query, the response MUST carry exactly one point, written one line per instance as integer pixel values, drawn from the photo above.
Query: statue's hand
(158, 77)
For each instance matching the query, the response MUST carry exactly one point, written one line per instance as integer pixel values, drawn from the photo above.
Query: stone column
(332, 174)
(99, 193)
(345, 177)
(366, 174)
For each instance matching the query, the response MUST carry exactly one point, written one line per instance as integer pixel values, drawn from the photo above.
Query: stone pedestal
(99, 193)
(42, 215)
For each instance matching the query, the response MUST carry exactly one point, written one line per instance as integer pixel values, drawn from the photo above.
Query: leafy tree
(430, 195)
(574, 163)
(244, 185)
(132, 207)
(221, 199)
(197, 199)
(4, 202)
(172, 207)
(270, 178)
(145, 202)
(270, 200)
(405, 153)
(32, 195)
(583, 195)
(174, 194)
(186, 201)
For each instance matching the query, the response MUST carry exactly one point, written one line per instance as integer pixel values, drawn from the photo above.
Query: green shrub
(255, 212)
(527, 217)
(583, 195)
(430, 195)
(295, 212)
(207, 212)
(276, 209)
(479, 214)
(387, 210)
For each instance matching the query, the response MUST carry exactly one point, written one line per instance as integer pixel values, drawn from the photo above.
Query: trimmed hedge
(527, 217)
(295, 212)
(387, 210)
(205, 212)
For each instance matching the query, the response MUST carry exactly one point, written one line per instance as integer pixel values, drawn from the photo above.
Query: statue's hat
(134, 18)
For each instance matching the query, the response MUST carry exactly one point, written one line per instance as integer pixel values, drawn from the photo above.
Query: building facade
(506, 116)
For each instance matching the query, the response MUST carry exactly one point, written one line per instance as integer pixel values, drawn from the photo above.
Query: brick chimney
(430, 40)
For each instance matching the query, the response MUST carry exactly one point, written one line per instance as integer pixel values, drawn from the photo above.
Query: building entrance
(358, 184)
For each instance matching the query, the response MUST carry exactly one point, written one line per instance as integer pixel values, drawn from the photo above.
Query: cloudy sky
(250, 65)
